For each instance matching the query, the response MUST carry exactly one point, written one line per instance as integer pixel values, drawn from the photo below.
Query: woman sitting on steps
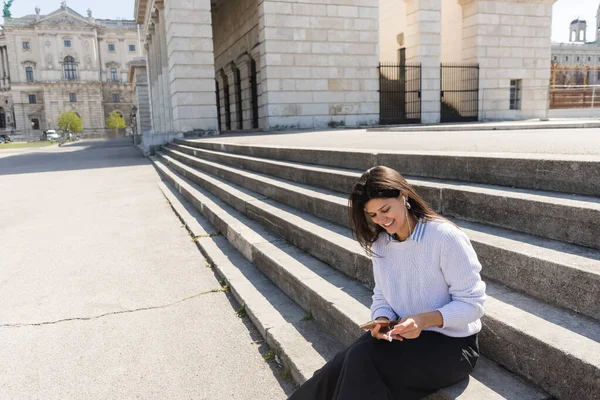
(427, 277)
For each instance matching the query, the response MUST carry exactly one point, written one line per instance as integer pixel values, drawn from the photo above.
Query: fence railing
(574, 96)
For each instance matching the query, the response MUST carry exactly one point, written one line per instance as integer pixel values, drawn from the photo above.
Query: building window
(70, 69)
(132, 47)
(29, 74)
(113, 74)
(515, 94)
(577, 58)
(32, 99)
(73, 97)
(26, 45)
(111, 47)
(116, 98)
(35, 124)
(589, 59)
(554, 58)
(566, 58)
(67, 43)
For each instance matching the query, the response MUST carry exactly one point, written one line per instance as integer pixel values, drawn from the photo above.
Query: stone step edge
(234, 186)
(294, 351)
(357, 159)
(541, 196)
(278, 338)
(498, 318)
(335, 203)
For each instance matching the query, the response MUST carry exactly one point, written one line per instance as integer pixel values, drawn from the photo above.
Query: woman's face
(389, 213)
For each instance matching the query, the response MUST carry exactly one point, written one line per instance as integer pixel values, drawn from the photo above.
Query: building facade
(221, 65)
(578, 61)
(64, 61)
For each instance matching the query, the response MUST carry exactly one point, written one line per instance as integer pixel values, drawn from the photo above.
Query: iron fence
(399, 93)
(459, 95)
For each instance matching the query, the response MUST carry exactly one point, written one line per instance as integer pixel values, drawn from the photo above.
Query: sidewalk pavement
(104, 295)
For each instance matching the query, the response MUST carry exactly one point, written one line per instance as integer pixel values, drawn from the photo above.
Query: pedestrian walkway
(105, 296)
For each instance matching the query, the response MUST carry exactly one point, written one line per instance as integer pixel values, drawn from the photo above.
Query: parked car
(52, 135)
(2, 140)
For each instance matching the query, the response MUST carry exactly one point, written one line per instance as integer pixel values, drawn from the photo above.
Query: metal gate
(399, 93)
(459, 94)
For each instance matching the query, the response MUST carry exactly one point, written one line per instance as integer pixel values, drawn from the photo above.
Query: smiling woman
(427, 300)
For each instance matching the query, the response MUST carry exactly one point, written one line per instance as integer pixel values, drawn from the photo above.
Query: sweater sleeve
(461, 268)
(380, 307)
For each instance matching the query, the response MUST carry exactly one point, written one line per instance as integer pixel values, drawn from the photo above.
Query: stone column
(261, 113)
(191, 65)
(155, 83)
(243, 65)
(164, 67)
(4, 66)
(151, 89)
(423, 45)
(221, 81)
(230, 72)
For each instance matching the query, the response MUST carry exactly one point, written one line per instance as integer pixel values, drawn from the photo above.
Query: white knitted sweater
(436, 268)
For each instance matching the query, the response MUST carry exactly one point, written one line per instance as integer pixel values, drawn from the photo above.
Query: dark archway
(35, 124)
(2, 118)
(254, 93)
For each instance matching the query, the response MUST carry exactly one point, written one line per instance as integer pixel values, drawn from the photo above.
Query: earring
(407, 204)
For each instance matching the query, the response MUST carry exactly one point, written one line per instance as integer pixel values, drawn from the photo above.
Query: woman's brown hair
(381, 182)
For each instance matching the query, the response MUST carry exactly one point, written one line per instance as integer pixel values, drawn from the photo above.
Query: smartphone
(384, 323)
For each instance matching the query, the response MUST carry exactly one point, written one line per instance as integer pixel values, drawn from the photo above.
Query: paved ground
(544, 141)
(104, 295)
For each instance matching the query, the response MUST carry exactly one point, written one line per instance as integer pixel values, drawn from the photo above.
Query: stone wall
(511, 41)
(319, 63)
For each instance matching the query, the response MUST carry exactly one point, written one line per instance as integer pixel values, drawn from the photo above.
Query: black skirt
(400, 370)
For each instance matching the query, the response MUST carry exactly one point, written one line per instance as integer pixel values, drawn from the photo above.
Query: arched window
(70, 69)
(29, 74)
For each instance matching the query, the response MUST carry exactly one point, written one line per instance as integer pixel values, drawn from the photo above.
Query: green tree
(115, 121)
(68, 121)
(6, 11)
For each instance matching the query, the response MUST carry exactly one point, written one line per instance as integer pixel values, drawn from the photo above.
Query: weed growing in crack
(270, 356)
(224, 285)
(286, 374)
(241, 313)
(196, 238)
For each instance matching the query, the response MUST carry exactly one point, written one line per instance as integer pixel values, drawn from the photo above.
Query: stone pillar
(160, 125)
(191, 65)
(243, 65)
(231, 72)
(423, 45)
(164, 67)
(221, 81)
(151, 89)
(4, 65)
(261, 112)
(510, 41)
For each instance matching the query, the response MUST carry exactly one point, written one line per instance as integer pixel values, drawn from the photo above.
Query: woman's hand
(411, 327)
(377, 333)
(408, 328)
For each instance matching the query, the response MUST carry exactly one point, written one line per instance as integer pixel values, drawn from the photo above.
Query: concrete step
(559, 173)
(328, 295)
(301, 343)
(562, 274)
(567, 218)
(536, 347)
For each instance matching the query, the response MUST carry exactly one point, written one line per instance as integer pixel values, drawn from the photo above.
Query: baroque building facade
(578, 60)
(64, 61)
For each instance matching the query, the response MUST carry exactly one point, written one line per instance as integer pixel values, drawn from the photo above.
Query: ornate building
(579, 52)
(64, 61)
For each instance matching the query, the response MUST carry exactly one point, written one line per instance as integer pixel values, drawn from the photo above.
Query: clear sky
(564, 12)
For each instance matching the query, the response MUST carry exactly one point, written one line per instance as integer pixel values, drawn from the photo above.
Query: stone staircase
(287, 253)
